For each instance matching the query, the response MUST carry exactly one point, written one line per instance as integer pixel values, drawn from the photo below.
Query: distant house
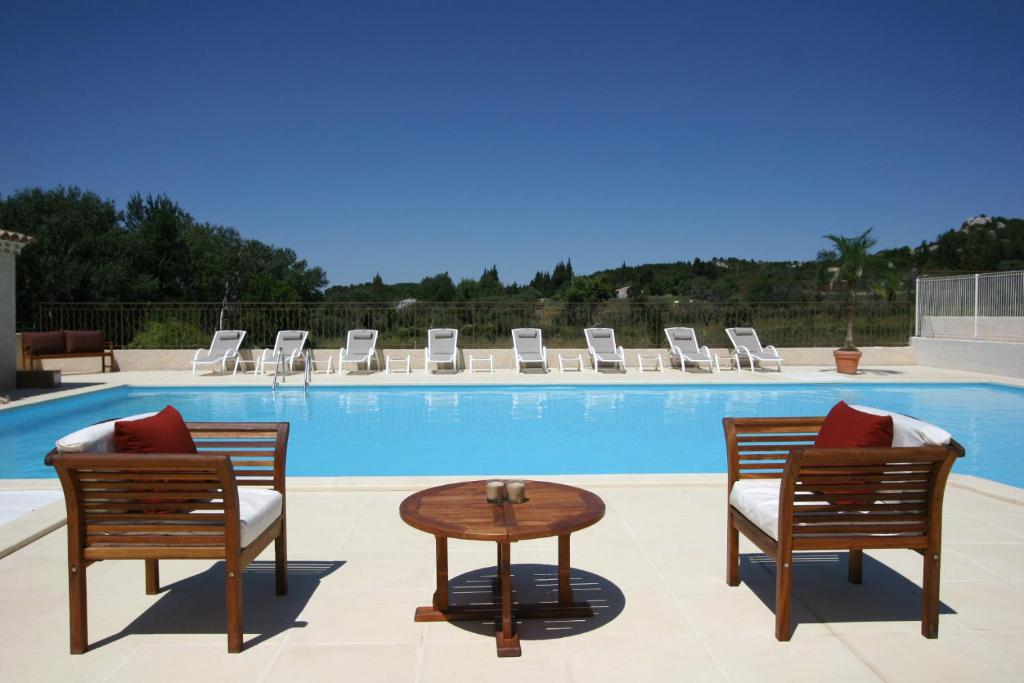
(622, 292)
(405, 303)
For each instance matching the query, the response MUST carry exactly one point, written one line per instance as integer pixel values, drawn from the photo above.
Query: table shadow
(533, 584)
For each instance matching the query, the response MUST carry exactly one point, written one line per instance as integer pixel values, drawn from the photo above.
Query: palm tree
(851, 255)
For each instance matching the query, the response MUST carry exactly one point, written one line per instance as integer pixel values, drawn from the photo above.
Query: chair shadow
(820, 586)
(534, 584)
(197, 604)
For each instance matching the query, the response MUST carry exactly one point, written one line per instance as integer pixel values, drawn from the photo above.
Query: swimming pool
(341, 431)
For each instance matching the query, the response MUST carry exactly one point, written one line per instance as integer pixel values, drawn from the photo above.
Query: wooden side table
(462, 511)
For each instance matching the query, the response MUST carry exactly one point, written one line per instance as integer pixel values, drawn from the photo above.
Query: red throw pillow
(845, 427)
(164, 432)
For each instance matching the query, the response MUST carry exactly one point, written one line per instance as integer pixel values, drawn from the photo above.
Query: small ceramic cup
(516, 491)
(495, 491)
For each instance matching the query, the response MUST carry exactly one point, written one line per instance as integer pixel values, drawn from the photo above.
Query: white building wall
(992, 357)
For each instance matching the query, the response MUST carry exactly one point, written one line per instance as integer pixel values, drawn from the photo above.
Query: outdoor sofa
(39, 346)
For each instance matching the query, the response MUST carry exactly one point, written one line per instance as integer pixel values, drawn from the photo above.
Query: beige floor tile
(374, 536)
(955, 657)
(1009, 645)
(377, 616)
(382, 571)
(804, 658)
(540, 661)
(686, 572)
(49, 661)
(963, 529)
(703, 532)
(176, 663)
(985, 605)
(651, 660)
(380, 663)
(1007, 522)
(1005, 559)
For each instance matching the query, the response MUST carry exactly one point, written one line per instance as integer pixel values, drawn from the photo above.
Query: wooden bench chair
(786, 496)
(40, 346)
(225, 503)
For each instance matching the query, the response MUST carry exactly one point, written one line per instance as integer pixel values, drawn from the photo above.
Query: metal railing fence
(986, 306)
(480, 324)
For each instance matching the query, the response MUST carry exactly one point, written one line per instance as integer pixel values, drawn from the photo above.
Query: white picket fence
(987, 306)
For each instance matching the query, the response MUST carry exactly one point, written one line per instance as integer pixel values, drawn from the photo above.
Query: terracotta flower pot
(847, 361)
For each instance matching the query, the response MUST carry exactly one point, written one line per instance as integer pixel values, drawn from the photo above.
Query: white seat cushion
(98, 438)
(908, 432)
(257, 509)
(758, 501)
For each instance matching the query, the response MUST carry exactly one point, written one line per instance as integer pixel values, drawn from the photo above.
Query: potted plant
(850, 254)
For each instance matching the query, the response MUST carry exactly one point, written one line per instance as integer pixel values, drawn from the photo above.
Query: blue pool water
(340, 431)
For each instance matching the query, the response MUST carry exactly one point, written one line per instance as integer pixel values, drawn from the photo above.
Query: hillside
(980, 244)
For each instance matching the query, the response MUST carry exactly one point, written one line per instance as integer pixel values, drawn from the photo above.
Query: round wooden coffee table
(462, 511)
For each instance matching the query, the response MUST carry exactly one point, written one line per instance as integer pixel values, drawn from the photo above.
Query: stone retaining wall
(180, 359)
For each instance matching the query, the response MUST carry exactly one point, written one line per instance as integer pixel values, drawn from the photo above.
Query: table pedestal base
(505, 614)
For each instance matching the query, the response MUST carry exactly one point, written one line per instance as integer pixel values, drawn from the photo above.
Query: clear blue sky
(411, 138)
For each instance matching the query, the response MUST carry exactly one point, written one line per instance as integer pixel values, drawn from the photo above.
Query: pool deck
(654, 569)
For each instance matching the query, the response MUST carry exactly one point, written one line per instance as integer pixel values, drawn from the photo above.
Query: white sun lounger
(287, 347)
(442, 347)
(602, 349)
(360, 347)
(748, 347)
(682, 344)
(223, 348)
(528, 345)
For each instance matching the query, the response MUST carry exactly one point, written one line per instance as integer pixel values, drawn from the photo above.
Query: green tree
(78, 252)
(589, 289)
(490, 283)
(437, 288)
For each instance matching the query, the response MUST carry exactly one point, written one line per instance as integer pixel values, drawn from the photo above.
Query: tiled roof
(14, 236)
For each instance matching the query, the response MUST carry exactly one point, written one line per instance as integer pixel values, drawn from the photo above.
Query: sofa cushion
(83, 341)
(257, 509)
(845, 427)
(164, 432)
(43, 343)
(97, 438)
(908, 432)
(758, 501)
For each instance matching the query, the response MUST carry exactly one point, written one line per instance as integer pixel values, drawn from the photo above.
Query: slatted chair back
(257, 450)
(759, 447)
(864, 497)
(150, 506)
